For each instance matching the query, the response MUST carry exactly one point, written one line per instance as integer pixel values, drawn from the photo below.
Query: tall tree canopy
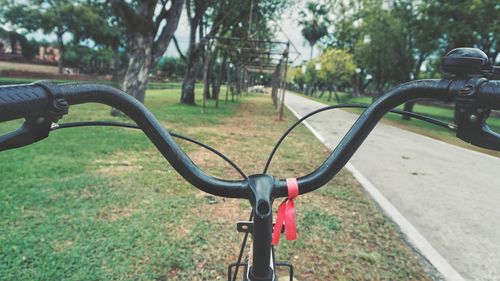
(223, 18)
(57, 17)
(463, 23)
(392, 40)
(314, 21)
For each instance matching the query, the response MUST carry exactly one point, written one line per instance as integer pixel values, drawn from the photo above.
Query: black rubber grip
(21, 101)
(489, 94)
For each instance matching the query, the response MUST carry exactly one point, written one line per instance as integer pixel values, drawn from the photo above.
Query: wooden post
(228, 82)
(206, 85)
(284, 81)
(250, 20)
(275, 85)
(219, 79)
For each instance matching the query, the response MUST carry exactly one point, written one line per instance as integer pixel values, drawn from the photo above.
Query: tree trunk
(228, 81)
(356, 89)
(188, 85)
(214, 75)
(337, 97)
(60, 46)
(312, 49)
(136, 78)
(207, 74)
(218, 82)
(213, 84)
(116, 65)
(275, 86)
(189, 82)
(408, 107)
(206, 77)
(238, 80)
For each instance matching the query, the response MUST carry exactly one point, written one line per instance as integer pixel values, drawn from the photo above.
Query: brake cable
(424, 118)
(132, 126)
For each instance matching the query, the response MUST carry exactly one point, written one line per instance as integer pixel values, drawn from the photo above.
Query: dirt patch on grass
(114, 213)
(221, 210)
(118, 164)
(61, 246)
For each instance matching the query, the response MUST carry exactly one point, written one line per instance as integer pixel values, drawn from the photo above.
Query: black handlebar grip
(22, 101)
(489, 94)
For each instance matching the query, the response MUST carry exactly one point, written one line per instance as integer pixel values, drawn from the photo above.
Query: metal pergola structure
(246, 57)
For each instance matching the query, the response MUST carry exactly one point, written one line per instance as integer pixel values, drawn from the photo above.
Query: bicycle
(468, 83)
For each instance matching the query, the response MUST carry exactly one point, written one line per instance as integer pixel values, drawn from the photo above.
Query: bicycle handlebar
(18, 101)
(489, 94)
(34, 100)
(83, 93)
(435, 89)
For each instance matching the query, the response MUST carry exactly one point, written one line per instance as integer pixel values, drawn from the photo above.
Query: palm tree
(314, 23)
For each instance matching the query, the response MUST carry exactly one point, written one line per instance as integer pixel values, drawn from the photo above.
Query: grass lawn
(102, 204)
(4, 80)
(5, 65)
(417, 126)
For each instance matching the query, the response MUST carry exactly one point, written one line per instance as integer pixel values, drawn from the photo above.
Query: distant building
(48, 54)
(10, 45)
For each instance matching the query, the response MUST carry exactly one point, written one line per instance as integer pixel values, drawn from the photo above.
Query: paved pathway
(449, 194)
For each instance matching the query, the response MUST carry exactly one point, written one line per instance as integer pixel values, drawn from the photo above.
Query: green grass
(151, 85)
(16, 80)
(102, 204)
(58, 214)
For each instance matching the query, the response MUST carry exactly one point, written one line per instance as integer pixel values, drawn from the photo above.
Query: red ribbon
(286, 214)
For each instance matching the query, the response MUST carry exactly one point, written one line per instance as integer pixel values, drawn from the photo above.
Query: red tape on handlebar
(286, 214)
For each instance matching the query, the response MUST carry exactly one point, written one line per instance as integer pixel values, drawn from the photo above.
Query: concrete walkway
(449, 194)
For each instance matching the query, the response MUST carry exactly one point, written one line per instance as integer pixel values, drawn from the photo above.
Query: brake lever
(472, 127)
(32, 130)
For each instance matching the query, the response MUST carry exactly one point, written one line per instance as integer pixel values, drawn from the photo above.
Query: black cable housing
(132, 126)
(310, 114)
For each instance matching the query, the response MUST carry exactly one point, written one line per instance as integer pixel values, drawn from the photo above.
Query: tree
(465, 23)
(106, 32)
(223, 18)
(296, 77)
(376, 48)
(314, 23)
(337, 68)
(89, 60)
(311, 77)
(388, 41)
(346, 35)
(223, 15)
(50, 16)
(172, 67)
(149, 27)
(195, 10)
